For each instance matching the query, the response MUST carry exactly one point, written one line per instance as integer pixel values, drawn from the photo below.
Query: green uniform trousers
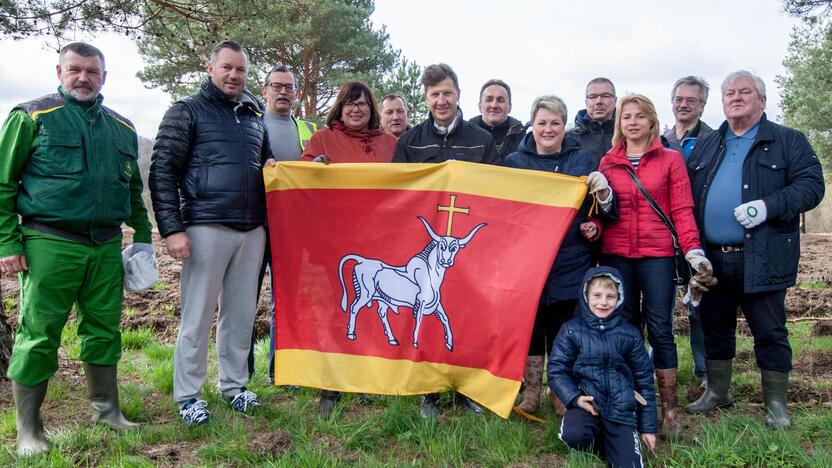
(62, 273)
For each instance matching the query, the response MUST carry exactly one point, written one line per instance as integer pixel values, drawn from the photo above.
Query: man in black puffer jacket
(207, 189)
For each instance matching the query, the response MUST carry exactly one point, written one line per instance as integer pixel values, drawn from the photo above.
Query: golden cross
(451, 209)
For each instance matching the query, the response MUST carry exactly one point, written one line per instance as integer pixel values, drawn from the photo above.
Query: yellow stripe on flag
(461, 177)
(370, 374)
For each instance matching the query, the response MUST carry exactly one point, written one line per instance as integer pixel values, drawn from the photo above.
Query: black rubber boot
(31, 440)
(327, 403)
(718, 393)
(468, 404)
(775, 387)
(102, 383)
(430, 406)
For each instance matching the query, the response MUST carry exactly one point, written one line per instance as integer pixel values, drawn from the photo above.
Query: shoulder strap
(665, 220)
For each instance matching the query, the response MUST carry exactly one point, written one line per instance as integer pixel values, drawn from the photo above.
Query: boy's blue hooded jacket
(608, 359)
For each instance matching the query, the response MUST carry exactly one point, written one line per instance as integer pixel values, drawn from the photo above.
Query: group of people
(728, 200)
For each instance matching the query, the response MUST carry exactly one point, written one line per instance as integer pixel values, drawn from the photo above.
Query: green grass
(137, 339)
(160, 286)
(813, 285)
(388, 432)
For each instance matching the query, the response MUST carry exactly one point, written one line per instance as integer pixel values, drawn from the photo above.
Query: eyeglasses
(687, 100)
(289, 87)
(362, 105)
(592, 97)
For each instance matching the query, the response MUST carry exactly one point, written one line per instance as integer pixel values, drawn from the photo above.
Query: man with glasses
(688, 97)
(288, 135)
(594, 125)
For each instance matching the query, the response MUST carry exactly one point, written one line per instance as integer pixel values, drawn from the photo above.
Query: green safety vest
(305, 131)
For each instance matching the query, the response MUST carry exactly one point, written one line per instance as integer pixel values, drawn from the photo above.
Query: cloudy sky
(538, 47)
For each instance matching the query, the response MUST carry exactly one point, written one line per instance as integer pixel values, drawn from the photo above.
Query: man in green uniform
(69, 178)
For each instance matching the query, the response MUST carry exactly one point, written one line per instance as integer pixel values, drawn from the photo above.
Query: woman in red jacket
(354, 131)
(354, 134)
(639, 245)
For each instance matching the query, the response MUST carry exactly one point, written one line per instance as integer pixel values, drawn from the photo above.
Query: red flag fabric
(405, 279)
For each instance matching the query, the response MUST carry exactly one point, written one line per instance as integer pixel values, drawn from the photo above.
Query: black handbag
(682, 273)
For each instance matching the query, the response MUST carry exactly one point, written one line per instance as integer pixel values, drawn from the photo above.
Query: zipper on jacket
(243, 161)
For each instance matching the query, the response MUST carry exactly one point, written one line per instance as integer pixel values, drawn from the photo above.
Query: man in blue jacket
(751, 179)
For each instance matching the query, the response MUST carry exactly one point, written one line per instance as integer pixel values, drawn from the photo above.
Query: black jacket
(781, 169)
(608, 359)
(507, 136)
(467, 142)
(207, 163)
(593, 136)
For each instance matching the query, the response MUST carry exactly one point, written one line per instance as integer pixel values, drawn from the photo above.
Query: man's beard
(89, 96)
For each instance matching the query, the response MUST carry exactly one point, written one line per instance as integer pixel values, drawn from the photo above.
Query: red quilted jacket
(639, 231)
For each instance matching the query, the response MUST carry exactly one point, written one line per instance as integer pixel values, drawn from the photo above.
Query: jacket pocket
(60, 154)
(772, 173)
(428, 153)
(782, 266)
(467, 153)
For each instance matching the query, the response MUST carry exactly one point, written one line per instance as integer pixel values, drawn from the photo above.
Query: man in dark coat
(751, 179)
(595, 124)
(495, 104)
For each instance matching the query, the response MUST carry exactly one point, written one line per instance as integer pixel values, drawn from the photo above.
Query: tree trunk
(6, 340)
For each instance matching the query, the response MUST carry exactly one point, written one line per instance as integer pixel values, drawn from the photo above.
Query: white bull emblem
(415, 285)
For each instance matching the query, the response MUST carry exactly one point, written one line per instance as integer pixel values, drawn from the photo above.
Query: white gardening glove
(140, 270)
(596, 182)
(751, 214)
(698, 261)
(135, 248)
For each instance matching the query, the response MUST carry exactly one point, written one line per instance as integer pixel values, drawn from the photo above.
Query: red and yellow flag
(404, 279)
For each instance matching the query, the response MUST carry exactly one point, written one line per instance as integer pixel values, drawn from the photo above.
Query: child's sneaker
(195, 413)
(245, 402)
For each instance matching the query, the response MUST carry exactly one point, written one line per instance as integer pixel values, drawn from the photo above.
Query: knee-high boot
(533, 377)
(667, 394)
(31, 440)
(102, 384)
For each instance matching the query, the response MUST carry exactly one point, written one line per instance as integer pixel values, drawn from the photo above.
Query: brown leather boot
(533, 378)
(557, 405)
(667, 395)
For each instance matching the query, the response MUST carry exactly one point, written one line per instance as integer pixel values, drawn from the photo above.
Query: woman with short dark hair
(353, 132)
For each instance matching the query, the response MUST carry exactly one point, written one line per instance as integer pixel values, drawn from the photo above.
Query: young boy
(600, 370)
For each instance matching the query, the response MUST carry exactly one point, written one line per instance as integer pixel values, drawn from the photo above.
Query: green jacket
(71, 166)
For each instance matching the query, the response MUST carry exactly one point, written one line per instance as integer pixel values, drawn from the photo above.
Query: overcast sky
(537, 47)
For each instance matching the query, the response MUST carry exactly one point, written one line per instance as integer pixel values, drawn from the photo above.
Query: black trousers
(765, 313)
(618, 443)
(547, 323)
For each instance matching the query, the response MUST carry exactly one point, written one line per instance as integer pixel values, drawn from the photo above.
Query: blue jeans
(649, 295)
